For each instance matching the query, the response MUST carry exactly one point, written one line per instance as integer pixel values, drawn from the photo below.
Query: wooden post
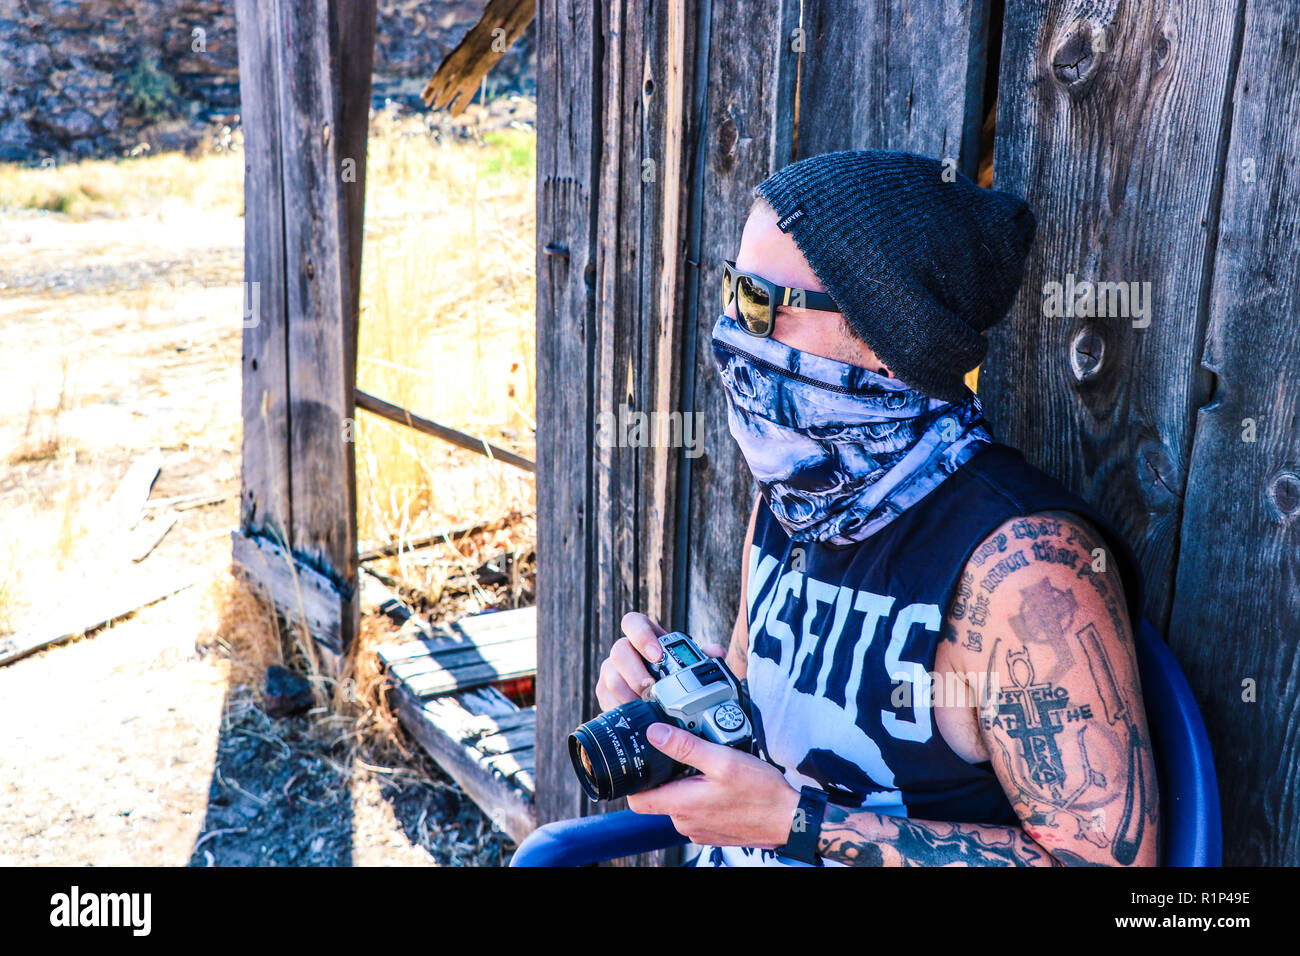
(568, 60)
(305, 87)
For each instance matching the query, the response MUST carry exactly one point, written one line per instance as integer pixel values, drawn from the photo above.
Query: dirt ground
(135, 745)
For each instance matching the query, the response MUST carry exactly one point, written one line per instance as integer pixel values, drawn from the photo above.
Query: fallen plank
(110, 609)
(510, 765)
(506, 803)
(126, 504)
(149, 534)
(449, 658)
(198, 499)
(474, 675)
(481, 630)
(298, 592)
(521, 738)
(424, 541)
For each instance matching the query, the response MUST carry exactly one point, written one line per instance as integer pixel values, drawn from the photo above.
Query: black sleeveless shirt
(834, 631)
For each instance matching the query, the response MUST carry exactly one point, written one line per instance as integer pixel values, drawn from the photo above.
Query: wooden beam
(458, 76)
(1235, 624)
(265, 505)
(299, 592)
(433, 725)
(395, 413)
(568, 110)
(304, 73)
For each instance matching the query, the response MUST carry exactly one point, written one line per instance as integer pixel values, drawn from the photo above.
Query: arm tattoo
(864, 838)
(1064, 708)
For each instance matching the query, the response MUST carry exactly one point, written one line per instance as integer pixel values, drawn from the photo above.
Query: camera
(610, 753)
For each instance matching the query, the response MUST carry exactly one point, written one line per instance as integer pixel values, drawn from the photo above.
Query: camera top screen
(683, 654)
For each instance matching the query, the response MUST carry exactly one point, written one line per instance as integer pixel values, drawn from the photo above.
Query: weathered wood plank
(298, 592)
(1235, 624)
(520, 738)
(506, 804)
(320, 327)
(449, 680)
(73, 622)
(568, 109)
(265, 505)
(510, 765)
(1106, 123)
(395, 413)
(916, 77)
(512, 654)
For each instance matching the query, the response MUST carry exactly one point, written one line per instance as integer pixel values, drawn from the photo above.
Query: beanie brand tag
(787, 221)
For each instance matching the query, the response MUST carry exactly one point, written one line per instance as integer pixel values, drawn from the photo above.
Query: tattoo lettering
(963, 595)
(1046, 551)
(994, 545)
(1032, 529)
(1002, 569)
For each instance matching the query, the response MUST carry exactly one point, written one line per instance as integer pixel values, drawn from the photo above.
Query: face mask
(838, 451)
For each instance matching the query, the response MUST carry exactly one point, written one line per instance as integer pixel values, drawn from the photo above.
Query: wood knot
(1284, 495)
(1156, 475)
(1074, 64)
(728, 136)
(1086, 351)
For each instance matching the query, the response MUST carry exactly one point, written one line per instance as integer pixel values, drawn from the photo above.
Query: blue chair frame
(1192, 829)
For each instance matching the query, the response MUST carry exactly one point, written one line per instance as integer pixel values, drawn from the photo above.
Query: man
(936, 637)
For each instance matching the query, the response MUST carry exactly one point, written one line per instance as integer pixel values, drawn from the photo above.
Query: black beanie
(918, 265)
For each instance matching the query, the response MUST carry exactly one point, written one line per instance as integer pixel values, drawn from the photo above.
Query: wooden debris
(127, 502)
(82, 620)
(464, 68)
(395, 413)
(149, 533)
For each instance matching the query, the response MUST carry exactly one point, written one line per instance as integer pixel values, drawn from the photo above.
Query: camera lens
(612, 757)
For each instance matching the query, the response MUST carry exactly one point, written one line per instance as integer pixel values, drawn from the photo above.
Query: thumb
(686, 748)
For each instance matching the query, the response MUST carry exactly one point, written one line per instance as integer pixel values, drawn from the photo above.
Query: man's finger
(642, 631)
(706, 757)
(630, 666)
(714, 650)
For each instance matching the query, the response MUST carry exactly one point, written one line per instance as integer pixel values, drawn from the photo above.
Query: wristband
(806, 828)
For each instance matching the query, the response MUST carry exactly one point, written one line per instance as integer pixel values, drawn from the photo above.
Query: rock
(287, 693)
(76, 124)
(15, 141)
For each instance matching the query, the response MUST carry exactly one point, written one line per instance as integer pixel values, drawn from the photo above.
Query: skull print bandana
(838, 451)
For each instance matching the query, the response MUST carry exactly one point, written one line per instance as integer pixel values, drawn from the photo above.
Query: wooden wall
(1152, 141)
(638, 201)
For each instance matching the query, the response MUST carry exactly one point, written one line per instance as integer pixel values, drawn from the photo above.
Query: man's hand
(738, 800)
(623, 675)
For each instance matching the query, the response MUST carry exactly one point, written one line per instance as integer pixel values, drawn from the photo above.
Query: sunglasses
(757, 299)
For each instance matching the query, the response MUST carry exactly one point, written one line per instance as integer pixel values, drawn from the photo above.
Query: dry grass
(447, 331)
(113, 187)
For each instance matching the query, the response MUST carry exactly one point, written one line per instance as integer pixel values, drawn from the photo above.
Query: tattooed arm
(1039, 626)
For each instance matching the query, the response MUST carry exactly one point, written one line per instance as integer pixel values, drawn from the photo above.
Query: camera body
(699, 694)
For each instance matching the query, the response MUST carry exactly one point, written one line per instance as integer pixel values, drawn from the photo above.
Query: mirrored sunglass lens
(752, 304)
(726, 287)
